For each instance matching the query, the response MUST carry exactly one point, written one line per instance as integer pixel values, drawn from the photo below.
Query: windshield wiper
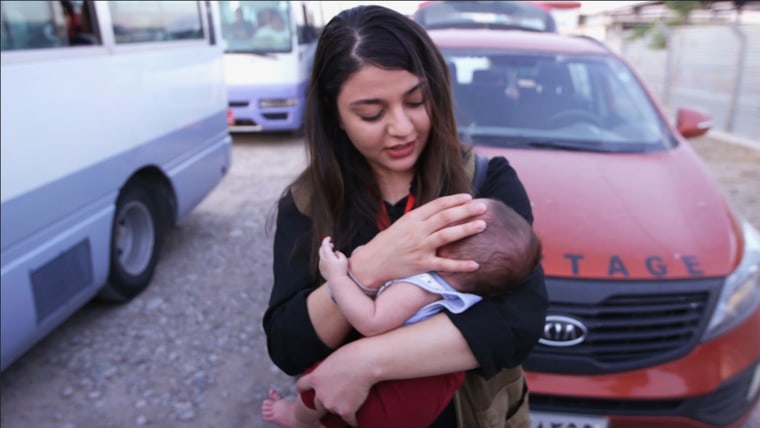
(515, 141)
(584, 146)
(506, 141)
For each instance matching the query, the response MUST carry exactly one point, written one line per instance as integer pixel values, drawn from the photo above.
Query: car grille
(245, 122)
(630, 324)
(275, 116)
(630, 328)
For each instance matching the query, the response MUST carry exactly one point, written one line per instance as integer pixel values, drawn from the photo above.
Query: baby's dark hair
(508, 251)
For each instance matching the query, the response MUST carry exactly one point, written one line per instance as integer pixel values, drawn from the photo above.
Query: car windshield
(255, 26)
(566, 102)
(485, 14)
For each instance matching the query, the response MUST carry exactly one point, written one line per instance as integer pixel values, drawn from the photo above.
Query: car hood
(627, 216)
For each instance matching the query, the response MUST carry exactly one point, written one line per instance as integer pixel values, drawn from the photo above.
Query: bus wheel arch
(144, 210)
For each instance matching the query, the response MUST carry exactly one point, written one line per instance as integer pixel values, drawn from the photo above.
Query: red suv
(653, 278)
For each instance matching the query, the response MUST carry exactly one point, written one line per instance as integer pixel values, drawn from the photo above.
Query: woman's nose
(400, 123)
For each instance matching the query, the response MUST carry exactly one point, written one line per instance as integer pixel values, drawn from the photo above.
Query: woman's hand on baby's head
(409, 245)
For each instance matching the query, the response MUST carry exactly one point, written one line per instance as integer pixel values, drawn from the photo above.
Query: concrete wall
(712, 67)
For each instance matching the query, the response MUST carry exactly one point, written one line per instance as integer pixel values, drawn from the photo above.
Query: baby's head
(508, 251)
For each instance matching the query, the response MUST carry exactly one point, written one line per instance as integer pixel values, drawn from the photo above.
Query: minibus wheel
(135, 243)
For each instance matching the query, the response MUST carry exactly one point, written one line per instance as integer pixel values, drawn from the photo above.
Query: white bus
(269, 50)
(113, 129)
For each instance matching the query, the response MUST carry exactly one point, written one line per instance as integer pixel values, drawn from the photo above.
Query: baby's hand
(331, 263)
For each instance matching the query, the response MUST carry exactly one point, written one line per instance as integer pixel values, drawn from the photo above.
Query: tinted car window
(484, 14)
(591, 101)
(46, 24)
(154, 21)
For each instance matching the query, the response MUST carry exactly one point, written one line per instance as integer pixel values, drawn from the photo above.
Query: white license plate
(565, 420)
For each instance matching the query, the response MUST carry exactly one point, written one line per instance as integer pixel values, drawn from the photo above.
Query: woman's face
(384, 114)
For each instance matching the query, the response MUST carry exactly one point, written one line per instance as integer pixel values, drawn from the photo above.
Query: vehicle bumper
(249, 116)
(716, 384)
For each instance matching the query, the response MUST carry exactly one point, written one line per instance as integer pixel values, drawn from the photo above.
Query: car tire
(135, 243)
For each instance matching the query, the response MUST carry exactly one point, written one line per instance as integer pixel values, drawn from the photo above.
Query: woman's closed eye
(375, 117)
(372, 118)
(416, 103)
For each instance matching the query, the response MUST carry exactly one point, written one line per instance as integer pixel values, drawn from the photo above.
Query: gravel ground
(190, 351)
(737, 170)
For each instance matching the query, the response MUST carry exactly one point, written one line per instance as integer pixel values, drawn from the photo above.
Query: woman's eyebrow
(367, 101)
(372, 101)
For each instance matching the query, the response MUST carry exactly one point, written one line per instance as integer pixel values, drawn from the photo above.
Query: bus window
(273, 30)
(155, 21)
(45, 24)
(256, 26)
(81, 27)
(31, 25)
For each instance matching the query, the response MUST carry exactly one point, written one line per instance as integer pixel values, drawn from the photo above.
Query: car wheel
(135, 243)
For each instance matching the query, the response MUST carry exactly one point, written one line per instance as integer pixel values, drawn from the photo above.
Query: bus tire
(135, 243)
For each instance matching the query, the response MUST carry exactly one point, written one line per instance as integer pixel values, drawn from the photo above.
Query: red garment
(406, 403)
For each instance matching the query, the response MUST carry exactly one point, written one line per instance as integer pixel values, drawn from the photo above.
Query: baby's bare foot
(281, 411)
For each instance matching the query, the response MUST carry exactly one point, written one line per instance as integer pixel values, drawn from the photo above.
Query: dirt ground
(737, 170)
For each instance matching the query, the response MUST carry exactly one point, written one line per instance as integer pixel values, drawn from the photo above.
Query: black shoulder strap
(479, 177)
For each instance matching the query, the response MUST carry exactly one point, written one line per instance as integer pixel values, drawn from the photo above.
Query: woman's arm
(431, 347)
(302, 324)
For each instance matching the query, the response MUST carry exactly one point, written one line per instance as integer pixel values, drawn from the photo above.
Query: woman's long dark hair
(338, 177)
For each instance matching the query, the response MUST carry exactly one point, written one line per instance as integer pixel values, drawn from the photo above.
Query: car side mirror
(692, 123)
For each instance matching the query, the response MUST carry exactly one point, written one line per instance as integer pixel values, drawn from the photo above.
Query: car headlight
(741, 290)
(278, 102)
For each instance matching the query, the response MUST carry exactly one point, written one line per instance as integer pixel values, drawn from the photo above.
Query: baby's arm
(369, 317)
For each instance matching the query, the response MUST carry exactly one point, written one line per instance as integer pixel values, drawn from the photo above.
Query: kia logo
(560, 331)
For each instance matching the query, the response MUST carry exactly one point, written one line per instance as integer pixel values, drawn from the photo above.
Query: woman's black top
(500, 331)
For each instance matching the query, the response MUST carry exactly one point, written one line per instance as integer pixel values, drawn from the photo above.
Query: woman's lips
(400, 151)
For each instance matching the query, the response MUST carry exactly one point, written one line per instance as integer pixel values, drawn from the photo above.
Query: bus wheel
(135, 243)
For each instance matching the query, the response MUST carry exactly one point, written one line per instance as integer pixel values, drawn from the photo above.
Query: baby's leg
(289, 413)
